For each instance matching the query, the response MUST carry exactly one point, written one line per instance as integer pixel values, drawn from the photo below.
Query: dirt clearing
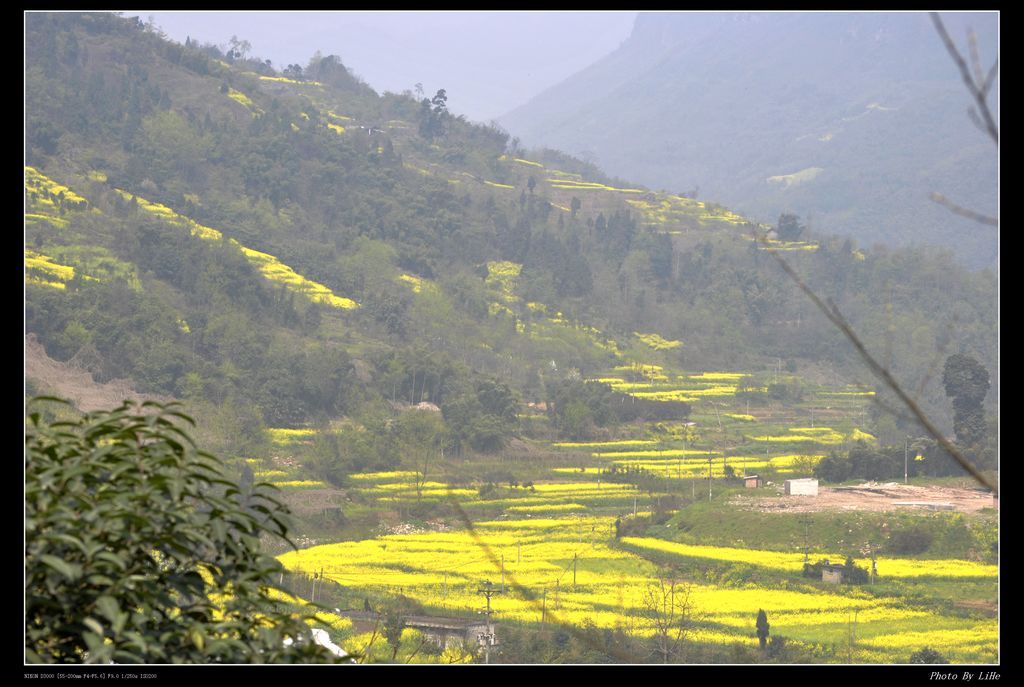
(872, 496)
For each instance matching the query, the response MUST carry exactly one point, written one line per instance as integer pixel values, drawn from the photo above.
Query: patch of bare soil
(872, 496)
(72, 380)
(310, 501)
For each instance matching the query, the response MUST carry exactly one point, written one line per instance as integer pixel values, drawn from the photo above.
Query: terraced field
(554, 554)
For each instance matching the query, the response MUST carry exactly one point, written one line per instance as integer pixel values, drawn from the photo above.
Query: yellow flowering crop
(301, 484)
(36, 182)
(284, 79)
(674, 395)
(282, 435)
(858, 435)
(547, 508)
(527, 162)
(415, 282)
(39, 281)
(268, 265)
(243, 99)
(444, 569)
(890, 568)
(820, 437)
(58, 222)
(603, 444)
(658, 343)
(382, 476)
(269, 474)
(667, 453)
(45, 265)
(336, 127)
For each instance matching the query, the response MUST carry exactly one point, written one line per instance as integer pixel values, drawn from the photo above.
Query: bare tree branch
(836, 317)
(964, 212)
(990, 79)
(975, 89)
(895, 412)
(975, 119)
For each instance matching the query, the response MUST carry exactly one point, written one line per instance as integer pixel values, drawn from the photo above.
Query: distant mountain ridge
(735, 104)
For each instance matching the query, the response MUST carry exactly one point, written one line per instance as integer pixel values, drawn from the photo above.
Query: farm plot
(566, 571)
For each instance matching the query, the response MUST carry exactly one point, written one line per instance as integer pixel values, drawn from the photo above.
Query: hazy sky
(488, 62)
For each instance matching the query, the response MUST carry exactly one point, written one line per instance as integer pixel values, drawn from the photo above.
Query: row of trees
(966, 382)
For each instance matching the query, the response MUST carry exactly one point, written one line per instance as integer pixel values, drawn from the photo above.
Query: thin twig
(895, 412)
(836, 317)
(990, 79)
(965, 72)
(972, 43)
(964, 212)
(939, 353)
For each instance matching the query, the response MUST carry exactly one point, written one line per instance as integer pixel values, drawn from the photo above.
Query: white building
(806, 486)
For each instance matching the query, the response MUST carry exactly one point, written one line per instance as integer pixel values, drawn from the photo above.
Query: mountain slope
(191, 222)
(851, 120)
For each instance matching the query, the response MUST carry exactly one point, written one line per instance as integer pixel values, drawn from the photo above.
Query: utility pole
(906, 448)
(487, 638)
(574, 570)
(709, 478)
(807, 524)
(853, 637)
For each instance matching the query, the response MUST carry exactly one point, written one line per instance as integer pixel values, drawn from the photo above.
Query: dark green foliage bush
(852, 574)
(911, 540)
(580, 407)
(927, 655)
(138, 550)
(865, 462)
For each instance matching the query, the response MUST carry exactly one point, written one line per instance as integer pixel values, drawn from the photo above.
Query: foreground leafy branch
(139, 550)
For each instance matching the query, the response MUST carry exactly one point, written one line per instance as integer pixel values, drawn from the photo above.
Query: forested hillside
(287, 249)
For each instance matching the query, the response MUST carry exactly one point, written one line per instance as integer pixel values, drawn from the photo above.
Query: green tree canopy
(967, 382)
(762, 627)
(139, 550)
(789, 227)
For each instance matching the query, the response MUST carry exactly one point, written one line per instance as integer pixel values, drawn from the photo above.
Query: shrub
(927, 655)
(138, 550)
(912, 540)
